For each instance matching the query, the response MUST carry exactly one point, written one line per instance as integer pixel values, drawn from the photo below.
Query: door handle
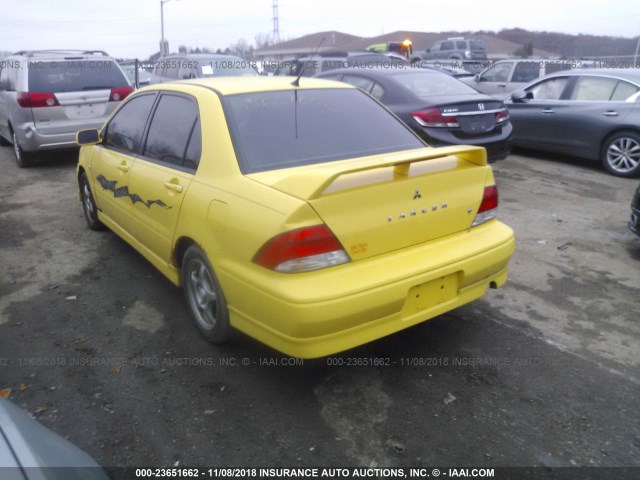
(502, 85)
(548, 110)
(173, 186)
(610, 113)
(124, 167)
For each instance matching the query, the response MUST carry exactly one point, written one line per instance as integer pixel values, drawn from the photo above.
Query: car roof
(382, 71)
(197, 56)
(71, 54)
(236, 85)
(630, 74)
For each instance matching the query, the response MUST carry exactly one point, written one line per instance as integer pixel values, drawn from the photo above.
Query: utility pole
(276, 23)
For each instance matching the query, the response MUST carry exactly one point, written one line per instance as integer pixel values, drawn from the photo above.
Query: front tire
(23, 159)
(621, 154)
(205, 297)
(89, 204)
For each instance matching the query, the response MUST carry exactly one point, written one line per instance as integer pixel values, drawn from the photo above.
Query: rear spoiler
(310, 182)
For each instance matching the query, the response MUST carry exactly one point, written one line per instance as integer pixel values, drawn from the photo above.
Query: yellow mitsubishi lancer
(299, 212)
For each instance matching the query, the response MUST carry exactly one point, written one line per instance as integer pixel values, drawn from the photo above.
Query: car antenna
(296, 82)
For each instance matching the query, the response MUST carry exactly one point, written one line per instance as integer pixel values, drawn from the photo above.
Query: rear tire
(621, 154)
(204, 297)
(23, 159)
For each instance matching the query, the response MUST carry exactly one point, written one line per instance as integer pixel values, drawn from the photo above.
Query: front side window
(125, 129)
(284, 129)
(550, 89)
(171, 129)
(498, 73)
(447, 45)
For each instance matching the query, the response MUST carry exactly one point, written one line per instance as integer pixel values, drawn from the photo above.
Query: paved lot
(546, 371)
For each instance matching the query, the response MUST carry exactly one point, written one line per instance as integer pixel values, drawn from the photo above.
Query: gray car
(591, 113)
(200, 65)
(505, 76)
(455, 48)
(46, 96)
(30, 451)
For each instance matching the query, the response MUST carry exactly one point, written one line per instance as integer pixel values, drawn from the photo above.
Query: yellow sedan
(303, 214)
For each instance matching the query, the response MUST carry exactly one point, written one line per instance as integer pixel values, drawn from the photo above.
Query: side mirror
(88, 137)
(520, 96)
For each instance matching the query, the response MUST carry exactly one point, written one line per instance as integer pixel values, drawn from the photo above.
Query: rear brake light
(302, 250)
(433, 118)
(488, 207)
(35, 100)
(118, 94)
(502, 116)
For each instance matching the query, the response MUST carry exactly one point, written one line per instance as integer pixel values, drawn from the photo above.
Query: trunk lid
(474, 116)
(375, 205)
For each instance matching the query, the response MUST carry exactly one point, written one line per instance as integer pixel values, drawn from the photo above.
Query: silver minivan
(46, 96)
(506, 76)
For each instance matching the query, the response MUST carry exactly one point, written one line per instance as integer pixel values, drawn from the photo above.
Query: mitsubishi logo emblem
(417, 195)
(481, 106)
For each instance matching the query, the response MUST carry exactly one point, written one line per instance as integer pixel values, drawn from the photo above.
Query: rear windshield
(273, 130)
(476, 45)
(75, 76)
(429, 84)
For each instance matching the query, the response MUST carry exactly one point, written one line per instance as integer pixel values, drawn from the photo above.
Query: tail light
(118, 94)
(433, 118)
(502, 116)
(36, 100)
(488, 207)
(302, 250)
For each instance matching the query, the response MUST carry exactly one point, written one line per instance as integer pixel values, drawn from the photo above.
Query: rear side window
(623, 91)
(9, 74)
(125, 129)
(75, 76)
(171, 129)
(601, 89)
(273, 130)
(429, 84)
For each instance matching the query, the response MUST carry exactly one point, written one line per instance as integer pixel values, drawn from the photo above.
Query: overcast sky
(131, 28)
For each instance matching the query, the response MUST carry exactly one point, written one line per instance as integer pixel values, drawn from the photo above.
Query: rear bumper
(498, 146)
(320, 313)
(33, 140)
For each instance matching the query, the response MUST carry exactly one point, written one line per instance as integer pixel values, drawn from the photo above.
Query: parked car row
(46, 96)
